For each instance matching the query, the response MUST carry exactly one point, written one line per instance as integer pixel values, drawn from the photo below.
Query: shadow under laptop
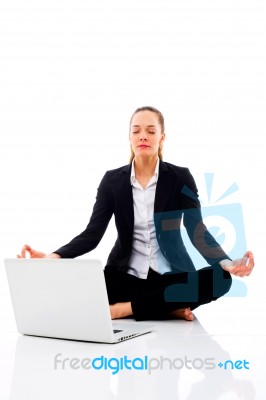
(176, 361)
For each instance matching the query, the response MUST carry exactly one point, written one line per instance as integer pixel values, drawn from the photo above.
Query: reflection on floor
(178, 360)
(220, 355)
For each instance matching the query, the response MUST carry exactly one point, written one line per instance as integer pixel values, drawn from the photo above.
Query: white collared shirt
(146, 252)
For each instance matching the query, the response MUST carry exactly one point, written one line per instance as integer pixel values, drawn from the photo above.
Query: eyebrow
(149, 126)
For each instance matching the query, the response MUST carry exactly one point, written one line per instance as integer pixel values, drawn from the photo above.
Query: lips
(143, 146)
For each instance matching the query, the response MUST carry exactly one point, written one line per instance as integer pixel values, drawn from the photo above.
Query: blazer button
(159, 236)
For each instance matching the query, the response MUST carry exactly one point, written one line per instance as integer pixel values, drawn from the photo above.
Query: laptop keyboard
(117, 330)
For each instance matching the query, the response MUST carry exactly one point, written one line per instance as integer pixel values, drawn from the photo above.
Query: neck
(145, 166)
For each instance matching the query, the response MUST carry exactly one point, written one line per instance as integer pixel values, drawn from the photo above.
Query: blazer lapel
(164, 187)
(126, 195)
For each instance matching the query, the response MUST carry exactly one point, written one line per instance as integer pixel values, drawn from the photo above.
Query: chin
(146, 155)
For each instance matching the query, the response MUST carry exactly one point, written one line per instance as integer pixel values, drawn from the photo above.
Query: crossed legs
(122, 310)
(164, 296)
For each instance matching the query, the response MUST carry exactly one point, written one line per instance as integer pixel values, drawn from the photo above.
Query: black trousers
(154, 297)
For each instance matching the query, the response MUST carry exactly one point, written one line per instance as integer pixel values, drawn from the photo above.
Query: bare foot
(183, 313)
(120, 310)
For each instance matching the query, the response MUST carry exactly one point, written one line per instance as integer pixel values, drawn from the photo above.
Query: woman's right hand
(27, 250)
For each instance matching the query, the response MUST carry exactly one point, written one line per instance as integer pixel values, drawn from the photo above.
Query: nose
(143, 135)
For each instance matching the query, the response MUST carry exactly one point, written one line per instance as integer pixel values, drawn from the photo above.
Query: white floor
(181, 361)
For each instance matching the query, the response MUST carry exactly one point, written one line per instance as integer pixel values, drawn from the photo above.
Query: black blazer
(176, 197)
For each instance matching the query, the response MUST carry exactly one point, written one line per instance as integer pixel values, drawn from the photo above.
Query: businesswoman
(149, 274)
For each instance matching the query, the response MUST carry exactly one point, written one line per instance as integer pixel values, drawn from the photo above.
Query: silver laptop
(65, 298)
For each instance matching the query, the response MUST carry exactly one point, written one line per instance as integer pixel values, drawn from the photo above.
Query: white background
(72, 73)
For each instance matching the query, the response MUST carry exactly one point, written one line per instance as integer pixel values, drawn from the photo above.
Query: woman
(149, 273)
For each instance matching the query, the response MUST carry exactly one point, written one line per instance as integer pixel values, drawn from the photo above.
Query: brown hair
(161, 122)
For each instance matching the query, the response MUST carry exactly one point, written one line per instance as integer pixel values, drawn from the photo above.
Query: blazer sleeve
(197, 231)
(92, 235)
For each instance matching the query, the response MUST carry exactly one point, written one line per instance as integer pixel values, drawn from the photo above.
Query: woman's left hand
(240, 267)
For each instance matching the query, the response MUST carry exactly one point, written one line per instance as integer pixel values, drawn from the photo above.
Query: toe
(188, 314)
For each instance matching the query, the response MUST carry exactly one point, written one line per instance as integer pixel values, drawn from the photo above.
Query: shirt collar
(156, 172)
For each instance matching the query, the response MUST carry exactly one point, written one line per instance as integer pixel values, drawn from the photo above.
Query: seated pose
(149, 273)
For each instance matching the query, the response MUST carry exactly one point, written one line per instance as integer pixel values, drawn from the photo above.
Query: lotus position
(149, 273)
